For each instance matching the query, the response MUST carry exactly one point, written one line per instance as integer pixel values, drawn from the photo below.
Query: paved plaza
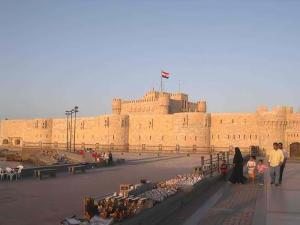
(30, 201)
(247, 204)
(47, 202)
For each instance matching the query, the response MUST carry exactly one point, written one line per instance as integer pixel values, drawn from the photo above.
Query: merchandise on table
(133, 199)
(119, 208)
(159, 194)
(181, 180)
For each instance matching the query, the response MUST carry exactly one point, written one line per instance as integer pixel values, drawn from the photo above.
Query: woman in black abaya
(237, 176)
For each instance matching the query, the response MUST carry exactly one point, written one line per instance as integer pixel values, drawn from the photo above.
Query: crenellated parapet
(161, 120)
(154, 102)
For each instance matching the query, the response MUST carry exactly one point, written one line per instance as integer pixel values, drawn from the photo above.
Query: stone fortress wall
(166, 122)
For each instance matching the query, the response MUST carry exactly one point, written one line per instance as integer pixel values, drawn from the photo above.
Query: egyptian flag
(165, 74)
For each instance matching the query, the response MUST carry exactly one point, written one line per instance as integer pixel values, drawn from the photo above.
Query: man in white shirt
(276, 159)
(282, 167)
(20, 167)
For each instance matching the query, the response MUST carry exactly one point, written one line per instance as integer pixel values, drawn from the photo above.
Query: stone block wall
(164, 121)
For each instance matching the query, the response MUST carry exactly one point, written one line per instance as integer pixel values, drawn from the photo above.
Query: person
(282, 167)
(106, 158)
(261, 169)
(110, 158)
(251, 165)
(224, 169)
(1, 174)
(237, 173)
(19, 170)
(276, 159)
(20, 167)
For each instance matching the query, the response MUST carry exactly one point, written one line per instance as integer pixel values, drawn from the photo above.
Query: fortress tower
(117, 106)
(201, 106)
(163, 103)
(272, 125)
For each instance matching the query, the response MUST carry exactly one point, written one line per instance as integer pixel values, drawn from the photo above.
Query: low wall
(29, 172)
(161, 211)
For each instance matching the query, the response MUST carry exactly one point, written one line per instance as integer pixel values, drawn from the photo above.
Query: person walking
(282, 167)
(261, 169)
(251, 166)
(237, 176)
(276, 159)
(224, 169)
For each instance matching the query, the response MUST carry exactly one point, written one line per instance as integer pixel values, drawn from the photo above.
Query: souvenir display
(159, 194)
(133, 199)
(181, 180)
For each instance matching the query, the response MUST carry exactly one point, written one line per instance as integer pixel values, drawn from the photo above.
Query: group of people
(108, 157)
(9, 172)
(256, 170)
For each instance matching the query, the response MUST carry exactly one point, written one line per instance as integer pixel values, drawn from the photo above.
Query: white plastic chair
(11, 175)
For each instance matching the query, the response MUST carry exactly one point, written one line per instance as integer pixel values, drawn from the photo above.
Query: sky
(236, 55)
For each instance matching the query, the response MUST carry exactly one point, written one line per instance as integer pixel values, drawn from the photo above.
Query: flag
(165, 74)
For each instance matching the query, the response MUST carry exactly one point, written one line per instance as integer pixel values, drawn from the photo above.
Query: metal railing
(211, 165)
(141, 148)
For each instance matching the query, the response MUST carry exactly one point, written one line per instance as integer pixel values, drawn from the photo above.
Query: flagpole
(161, 85)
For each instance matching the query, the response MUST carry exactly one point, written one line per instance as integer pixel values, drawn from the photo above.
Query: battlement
(154, 102)
(279, 110)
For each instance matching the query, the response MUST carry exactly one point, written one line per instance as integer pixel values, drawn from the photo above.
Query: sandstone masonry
(164, 122)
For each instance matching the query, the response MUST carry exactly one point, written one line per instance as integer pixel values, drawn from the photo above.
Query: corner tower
(116, 106)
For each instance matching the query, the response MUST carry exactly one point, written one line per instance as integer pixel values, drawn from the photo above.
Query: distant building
(164, 122)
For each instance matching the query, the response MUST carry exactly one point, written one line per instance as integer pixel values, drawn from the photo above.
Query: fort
(166, 122)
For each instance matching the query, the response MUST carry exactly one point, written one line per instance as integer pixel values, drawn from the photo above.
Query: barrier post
(211, 165)
(218, 162)
(227, 157)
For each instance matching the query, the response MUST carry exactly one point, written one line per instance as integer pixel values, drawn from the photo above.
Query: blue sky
(235, 54)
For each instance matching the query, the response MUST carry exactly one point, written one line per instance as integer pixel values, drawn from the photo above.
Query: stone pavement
(251, 204)
(235, 207)
(47, 202)
(282, 205)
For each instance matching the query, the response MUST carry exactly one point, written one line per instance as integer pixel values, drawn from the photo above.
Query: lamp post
(68, 113)
(71, 128)
(75, 112)
(107, 126)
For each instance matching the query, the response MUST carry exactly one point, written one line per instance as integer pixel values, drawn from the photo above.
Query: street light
(71, 112)
(68, 113)
(75, 110)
